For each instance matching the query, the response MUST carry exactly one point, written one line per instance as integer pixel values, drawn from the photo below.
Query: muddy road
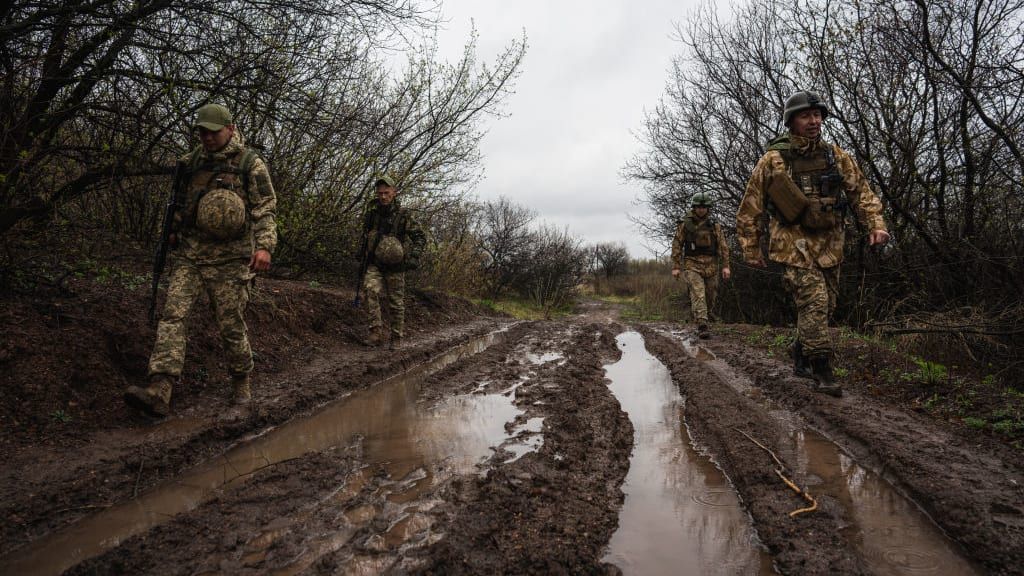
(490, 446)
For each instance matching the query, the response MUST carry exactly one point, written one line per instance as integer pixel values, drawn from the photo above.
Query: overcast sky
(591, 69)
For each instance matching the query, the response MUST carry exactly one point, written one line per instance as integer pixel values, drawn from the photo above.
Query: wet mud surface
(488, 446)
(898, 493)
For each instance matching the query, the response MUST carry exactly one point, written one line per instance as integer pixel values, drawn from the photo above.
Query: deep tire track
(810, 544)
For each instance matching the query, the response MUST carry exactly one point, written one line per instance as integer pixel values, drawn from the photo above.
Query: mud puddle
(892, 535)
(680, 515)
(410, 441)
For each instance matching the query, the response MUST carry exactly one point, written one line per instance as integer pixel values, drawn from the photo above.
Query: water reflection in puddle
(892, 535)
(680, 516)
(400, 435)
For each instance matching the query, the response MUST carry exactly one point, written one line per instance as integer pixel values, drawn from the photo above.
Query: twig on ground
(781, 474)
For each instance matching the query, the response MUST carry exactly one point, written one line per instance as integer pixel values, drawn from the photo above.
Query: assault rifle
(174, 203)
(364, 263)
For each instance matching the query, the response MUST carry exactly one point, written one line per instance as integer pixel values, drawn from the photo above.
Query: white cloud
(591, 69)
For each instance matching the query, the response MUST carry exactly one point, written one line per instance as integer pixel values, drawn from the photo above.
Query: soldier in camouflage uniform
(700, 245)
(806, 186)
(392, 242)
(223, 235)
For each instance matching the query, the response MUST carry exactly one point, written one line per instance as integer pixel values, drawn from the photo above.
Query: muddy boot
(154, 399)
(824, 379)
(241, 389)
(703, 331)
(801, 366)
(376, 337)
(396, 342)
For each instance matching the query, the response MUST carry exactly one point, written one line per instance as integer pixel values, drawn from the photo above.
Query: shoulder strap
(195, 159)
(245, 165)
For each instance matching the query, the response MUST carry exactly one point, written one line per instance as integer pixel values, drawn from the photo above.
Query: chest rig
(699, 238)
(811, 192)
(207, 175)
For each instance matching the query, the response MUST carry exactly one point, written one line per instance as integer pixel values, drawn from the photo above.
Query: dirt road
(491, 446)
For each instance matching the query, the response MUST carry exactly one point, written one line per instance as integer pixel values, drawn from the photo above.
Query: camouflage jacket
(257, 192)
(706, 264)
(393, 219)
(794, 245)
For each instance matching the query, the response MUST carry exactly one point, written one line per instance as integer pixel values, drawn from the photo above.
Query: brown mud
(971, 488)
(481, 446)
(308, 350)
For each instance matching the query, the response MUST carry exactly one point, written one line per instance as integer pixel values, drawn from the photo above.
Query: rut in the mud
(401, 490)
(385, 415)
(864, 524)
(680, 516)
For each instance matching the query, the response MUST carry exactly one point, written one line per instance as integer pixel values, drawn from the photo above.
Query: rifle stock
(166, 231)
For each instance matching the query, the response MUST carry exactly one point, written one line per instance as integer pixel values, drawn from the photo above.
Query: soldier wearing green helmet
(223, 234)
(805, 187)
(698, 251)
(392, 242)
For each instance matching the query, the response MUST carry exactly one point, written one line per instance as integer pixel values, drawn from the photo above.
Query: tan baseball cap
(385, 179)
(213, 117)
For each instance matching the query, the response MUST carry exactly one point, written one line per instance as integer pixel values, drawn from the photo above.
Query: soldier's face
(701, 211)
(214, 140)
(806, 123)
(386, 194)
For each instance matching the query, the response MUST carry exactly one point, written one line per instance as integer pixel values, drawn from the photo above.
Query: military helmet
(702, 199)
(802, 101)
(221, 214)
(389, 251)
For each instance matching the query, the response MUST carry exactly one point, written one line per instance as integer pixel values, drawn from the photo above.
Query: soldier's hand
(726, 273)
(676, 272)
(757, 262)
(260, 261)
(878, 237)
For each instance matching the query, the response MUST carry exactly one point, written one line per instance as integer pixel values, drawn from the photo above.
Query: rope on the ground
(779, 471)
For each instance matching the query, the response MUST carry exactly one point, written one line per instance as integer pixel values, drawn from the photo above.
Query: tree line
(928, 96)
(97, 98)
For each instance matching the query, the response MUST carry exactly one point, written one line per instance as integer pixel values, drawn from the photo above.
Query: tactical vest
(204, 176)
(699, 239)
(818, 178)
(379, 226)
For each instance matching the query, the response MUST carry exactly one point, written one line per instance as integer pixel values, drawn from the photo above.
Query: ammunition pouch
(790, 202)
(821, 214)
(704, 239)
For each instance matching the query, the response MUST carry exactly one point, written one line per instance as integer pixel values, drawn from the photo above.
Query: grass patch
(523, 309)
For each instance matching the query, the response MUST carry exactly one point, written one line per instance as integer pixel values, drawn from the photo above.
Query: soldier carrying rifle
(220, 223)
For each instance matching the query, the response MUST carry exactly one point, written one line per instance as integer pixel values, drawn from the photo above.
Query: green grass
(522, 309)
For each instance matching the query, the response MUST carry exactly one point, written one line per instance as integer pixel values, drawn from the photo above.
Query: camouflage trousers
(377, 281)
(814, 290)
(227, 287)
(702, 284)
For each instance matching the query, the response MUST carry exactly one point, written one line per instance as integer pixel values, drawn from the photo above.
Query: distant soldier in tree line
(698, 249)
(224, 233)
(392, 242)
(806, 186)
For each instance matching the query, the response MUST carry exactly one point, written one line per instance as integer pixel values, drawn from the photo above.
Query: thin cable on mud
(780, 472)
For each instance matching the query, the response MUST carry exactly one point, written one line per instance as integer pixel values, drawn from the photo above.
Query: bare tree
(609, 259)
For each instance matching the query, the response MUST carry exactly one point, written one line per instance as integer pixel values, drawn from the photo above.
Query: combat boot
(376, 337)
(396, 342)
(801, 366)
(241, 389)
(703, 331)
(824, 379)
(154, 399)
